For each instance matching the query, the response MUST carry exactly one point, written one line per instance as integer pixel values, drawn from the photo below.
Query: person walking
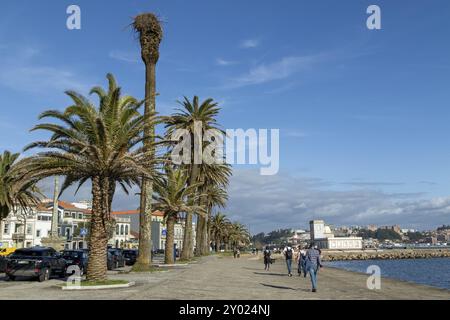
(300, 259)
(289, 254)
(267, 259)
(313, 263)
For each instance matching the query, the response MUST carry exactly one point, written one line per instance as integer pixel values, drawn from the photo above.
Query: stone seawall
(385, 254)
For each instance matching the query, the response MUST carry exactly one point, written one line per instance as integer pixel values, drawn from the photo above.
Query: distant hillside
(278, 237)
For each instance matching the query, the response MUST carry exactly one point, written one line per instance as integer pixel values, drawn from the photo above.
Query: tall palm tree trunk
(187, 239)
(170, 238)
(150, 35)
(1, 228)
(217, 244)
(97, 266)
(199, 236)
(204, 238)
(145, 217)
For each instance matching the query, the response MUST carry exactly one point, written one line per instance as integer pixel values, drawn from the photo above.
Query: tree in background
(17, 192)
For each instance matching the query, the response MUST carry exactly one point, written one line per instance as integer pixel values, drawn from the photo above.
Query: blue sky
(363, 114)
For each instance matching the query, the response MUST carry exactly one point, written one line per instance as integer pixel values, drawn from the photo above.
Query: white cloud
(265, 203)
(129, 57)
(269, 202)
(250, 43)
(21, 72)
(223, 62)
(278, 70)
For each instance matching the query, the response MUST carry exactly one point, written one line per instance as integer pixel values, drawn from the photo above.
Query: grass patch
(102, 283)
(86, 283)
(188, 260)
(145, 268)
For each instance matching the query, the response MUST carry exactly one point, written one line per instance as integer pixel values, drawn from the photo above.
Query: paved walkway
(226, 278)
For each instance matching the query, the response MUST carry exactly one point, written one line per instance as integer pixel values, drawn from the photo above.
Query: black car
(2, 264)
(38, 262)
(76, 258)
(130, 256)
(115, 259)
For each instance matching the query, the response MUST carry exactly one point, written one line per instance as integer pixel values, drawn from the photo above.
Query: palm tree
(97, 144)
(215, 179)
(238, 235)
(16, 192)
(190, 117)
(172, 199)
(219, 229)
(150, 33)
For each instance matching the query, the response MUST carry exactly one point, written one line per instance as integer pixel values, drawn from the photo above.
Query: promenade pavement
(216, 277)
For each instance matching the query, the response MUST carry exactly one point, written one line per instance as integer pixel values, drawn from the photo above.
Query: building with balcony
(27, 229)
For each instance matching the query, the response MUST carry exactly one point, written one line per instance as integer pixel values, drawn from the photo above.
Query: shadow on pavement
(271, 274)
(278, 287)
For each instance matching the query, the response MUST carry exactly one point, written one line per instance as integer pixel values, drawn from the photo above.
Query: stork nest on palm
(148, 26)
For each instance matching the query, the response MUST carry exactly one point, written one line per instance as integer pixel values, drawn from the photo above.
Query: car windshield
(28, 253)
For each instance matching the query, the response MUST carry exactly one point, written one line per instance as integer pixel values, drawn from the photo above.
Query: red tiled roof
(67, 205)
(42, 207)
(134, 234)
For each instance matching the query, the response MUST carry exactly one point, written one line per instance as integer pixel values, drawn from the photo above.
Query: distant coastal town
(355, 237)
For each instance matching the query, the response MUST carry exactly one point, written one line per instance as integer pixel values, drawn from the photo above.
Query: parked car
(39, 262)
(6, 251)
(3, 262)
(115, 259)
(130, 256)
(76, 258)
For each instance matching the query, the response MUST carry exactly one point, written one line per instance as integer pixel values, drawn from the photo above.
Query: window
(74, 215)
(29, 229)
(38, 233)
(117, 230)
(80, 216)
(126, 230)
(121, 230)
(6, 228)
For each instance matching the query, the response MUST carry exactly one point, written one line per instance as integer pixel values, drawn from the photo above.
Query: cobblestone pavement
(227, 278)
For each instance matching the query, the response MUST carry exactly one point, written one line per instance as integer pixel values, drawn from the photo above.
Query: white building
(159, 228)
(27, 229)
(122, 236)
(324, 238)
